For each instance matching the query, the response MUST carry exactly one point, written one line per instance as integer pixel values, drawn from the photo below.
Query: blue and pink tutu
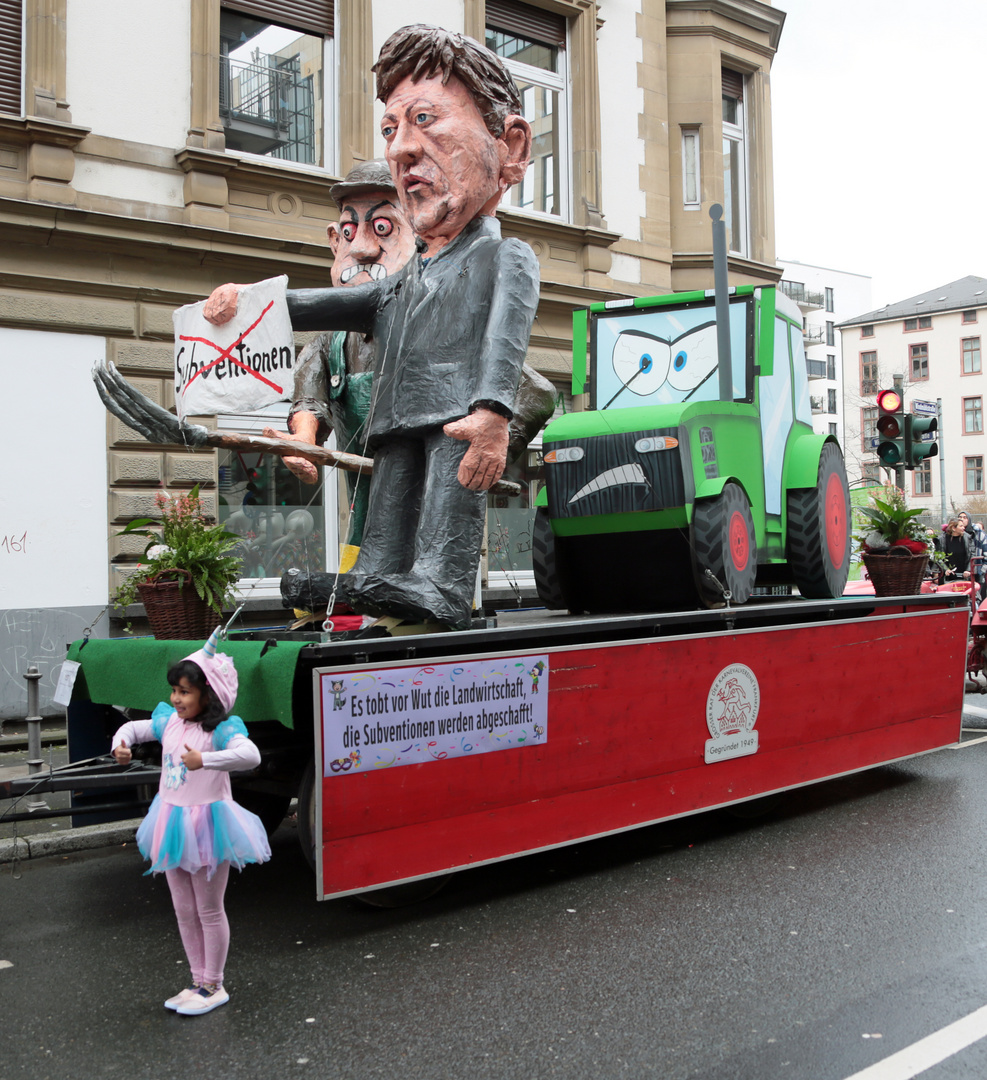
(192, 837)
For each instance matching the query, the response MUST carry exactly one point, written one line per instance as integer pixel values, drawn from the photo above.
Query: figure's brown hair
(422, 52)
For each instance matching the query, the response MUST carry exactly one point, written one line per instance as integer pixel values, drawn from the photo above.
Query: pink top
(179, 785)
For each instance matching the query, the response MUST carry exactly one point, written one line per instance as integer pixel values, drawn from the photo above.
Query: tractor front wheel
(723, 542)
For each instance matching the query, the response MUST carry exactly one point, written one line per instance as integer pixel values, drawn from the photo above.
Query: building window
(922, 478)
(868, 373)
(867, 331)
(831, 367)
(971, 355)
(834, 429)
(282, 523)
(871, 470)
(974, 474)
(973, 416)
(868, 426)
(919, 357)
(795, 291)
(692, 188)
(970, 316)
(830, 334)
(510, 521)
(922, 323)
(831, 401)
(829, 299)
(735, 215)
(272, 78)
(10, 57)
(531, 43)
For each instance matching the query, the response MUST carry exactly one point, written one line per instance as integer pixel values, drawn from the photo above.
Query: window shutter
(314, 16)
(733, 84)
(546, 27)
(10, 56)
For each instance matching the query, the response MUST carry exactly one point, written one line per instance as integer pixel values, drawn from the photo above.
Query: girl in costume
(194, 830)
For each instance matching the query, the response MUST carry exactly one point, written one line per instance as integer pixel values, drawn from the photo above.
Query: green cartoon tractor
(697, 474)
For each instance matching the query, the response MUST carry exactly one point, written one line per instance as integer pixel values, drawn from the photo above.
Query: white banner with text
(379, 718)
(242, 365)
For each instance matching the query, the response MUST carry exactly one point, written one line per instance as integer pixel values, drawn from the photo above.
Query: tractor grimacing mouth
(619, 476)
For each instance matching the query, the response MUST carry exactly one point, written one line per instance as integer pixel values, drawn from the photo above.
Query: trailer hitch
(92, 774)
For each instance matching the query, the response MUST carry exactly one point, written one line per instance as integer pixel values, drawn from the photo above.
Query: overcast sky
(880, 140)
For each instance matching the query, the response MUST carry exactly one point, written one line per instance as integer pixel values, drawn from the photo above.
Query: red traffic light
(890, 427)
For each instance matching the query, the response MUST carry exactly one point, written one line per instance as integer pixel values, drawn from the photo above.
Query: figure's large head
(372, 239)
(455, 138)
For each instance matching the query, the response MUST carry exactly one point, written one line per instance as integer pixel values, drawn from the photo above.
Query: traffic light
(891, 427)
(916, 450)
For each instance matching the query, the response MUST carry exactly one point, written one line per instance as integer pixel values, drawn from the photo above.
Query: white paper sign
(376, 719)
(66, 681)
(240, 366)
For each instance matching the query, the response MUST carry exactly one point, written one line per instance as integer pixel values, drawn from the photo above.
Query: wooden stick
(318, 455)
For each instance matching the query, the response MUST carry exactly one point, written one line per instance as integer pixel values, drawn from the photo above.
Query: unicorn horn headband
(209, 649)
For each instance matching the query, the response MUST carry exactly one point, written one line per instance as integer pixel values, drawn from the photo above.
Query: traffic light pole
(942, 459)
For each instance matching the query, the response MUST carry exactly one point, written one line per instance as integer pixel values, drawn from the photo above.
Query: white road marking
(929, 1051)
(966, 742)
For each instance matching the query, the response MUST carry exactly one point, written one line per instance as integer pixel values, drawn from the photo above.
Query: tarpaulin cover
(133, 672)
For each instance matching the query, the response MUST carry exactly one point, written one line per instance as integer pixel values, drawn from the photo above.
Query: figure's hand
(222, 303)
(122, 754)
(305, 432)
(191, 759)
(487, 433)
(126, 402)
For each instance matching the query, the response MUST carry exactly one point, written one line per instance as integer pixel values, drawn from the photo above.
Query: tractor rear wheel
(818, 545)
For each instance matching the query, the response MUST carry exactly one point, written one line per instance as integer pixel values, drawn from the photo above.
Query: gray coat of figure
(450, 335)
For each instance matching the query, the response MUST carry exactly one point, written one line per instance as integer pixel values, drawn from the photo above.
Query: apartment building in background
(934, 342)
(150, 152)
(825, 297)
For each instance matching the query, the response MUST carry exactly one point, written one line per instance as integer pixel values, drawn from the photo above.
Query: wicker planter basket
(896, 575)
(175, 610)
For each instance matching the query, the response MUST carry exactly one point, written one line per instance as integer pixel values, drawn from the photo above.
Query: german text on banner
(240, 366)
(379, 718)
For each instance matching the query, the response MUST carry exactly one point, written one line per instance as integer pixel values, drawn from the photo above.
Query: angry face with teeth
(372, 239)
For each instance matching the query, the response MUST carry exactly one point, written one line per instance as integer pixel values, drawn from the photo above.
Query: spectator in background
(958, 545)
(976, 531)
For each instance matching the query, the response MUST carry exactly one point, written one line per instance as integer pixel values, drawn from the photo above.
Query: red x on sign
(227, 354)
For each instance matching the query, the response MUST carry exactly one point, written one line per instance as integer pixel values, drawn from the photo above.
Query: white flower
(157, 551)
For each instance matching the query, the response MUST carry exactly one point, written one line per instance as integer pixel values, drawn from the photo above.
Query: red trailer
(412, 757)
(482, 746)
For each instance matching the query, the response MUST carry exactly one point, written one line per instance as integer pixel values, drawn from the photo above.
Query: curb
(60, 843)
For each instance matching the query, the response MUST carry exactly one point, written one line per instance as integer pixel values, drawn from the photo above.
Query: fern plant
(185, 542)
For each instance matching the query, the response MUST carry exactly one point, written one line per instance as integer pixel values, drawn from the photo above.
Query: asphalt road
(807, 944)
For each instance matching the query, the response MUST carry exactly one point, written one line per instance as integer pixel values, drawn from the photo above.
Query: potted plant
(187, 573)
(894, 546)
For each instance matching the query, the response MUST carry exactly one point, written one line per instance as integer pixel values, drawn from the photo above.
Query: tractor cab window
(668, 356)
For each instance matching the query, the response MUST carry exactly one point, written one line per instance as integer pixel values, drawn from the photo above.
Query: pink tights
(202, 920)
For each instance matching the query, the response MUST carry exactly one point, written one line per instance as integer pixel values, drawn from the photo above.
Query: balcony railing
(813, 335)
(816, 369)
(818, 405)
(805, 299)
(267, 107)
